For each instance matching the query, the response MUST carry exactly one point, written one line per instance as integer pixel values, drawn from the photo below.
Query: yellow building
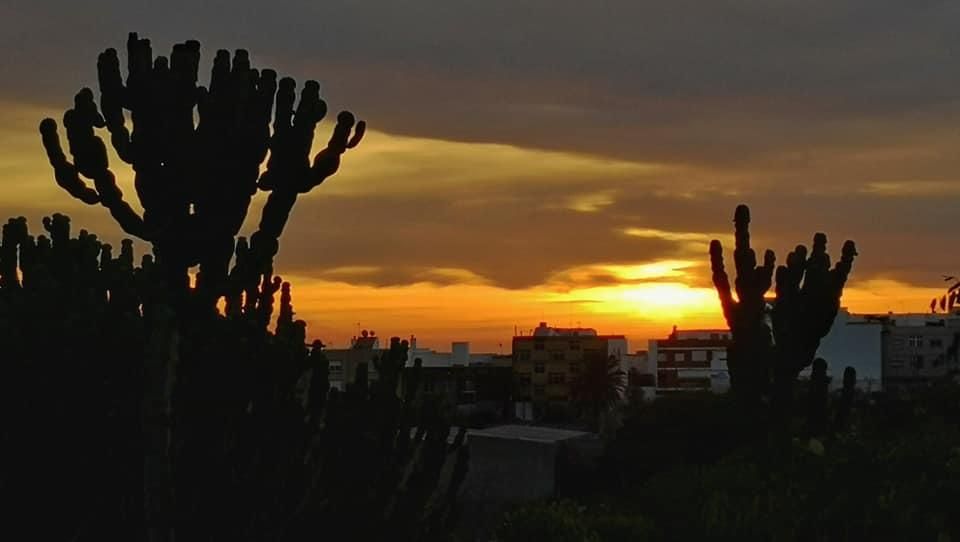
(546, 363)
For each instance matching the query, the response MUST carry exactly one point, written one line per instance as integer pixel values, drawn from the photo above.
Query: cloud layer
(556, 147)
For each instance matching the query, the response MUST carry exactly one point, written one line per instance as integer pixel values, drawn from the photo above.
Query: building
(477, 384)
(512, 464)
(918, 349)
(547, 362)
(690, 361)
(343, 362)
(641, 373)
(853, 341)
(696, 360)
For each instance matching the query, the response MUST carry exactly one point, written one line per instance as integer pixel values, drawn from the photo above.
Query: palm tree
(599, 387)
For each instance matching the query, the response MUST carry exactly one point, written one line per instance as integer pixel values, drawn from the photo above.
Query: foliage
(567, 521)
(891, 473)
(599, 387)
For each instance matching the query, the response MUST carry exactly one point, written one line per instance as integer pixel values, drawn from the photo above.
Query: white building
(854, 341)
(690, 361)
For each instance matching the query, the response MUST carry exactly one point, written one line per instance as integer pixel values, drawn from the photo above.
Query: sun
(663, 301)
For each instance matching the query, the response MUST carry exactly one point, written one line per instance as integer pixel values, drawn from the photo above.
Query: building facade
(692, 360)
(919, 349)
(546, 364)
(343, 362)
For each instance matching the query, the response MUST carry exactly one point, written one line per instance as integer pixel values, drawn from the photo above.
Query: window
(574, 345)
(679, 356)
(523, 380)
(915, 341)
(558, 356)
(556, 378)
(538, 389)
(538, 345)
(714, 336)
(523, 355)
(538, 367)
(896, 363)
(336, 367)
(574, 368)
(918, 361)
(698, 355)
(936, 343)
(661, 356)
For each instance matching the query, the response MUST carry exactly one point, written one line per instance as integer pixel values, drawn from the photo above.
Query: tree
(599, 387)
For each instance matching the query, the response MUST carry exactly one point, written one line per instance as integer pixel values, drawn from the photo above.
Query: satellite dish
(372, 333)
(364, 334)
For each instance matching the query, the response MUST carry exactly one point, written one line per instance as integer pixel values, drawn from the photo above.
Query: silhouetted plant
(771, 346)
(599, 387)
(818, 395)
(949, 299)
(195, 179)
(136, 428)
(147, 414)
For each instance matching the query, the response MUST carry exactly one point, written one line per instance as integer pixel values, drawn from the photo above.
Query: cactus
(766, 358)
(148, 413)
(195, 180)
(845, 405)
(819, 394)
(221, 430)
(749, 352)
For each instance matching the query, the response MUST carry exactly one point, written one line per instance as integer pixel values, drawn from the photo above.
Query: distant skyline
(552, 160)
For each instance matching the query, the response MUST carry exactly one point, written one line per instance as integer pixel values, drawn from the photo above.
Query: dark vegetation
(140, 404)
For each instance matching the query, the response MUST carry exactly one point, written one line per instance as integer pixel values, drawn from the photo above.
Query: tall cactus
(807, 300)
(151, 415)
(195, 180)
(749, 352)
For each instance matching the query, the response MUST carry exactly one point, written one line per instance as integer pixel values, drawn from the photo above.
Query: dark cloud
(835, 116)
(683, 80)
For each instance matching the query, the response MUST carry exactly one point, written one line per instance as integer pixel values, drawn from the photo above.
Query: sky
(556, 160)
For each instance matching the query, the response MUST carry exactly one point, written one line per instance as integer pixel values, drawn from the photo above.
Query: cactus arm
(112, 94)
(65, 172)
(327, 161)
(722, 282)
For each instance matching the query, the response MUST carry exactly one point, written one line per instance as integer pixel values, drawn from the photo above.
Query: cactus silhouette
(772, 345)
(748, 355)
(149, 413)
(195, 180)
(220, 430)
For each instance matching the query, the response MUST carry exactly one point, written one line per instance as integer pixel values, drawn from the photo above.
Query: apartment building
(548, 361)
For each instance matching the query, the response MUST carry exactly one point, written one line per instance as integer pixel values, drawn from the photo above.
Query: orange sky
(640, 295)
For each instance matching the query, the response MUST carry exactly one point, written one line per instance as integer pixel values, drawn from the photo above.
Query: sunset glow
(454, 240)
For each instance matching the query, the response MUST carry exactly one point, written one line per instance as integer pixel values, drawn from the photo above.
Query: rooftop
(533, 433)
